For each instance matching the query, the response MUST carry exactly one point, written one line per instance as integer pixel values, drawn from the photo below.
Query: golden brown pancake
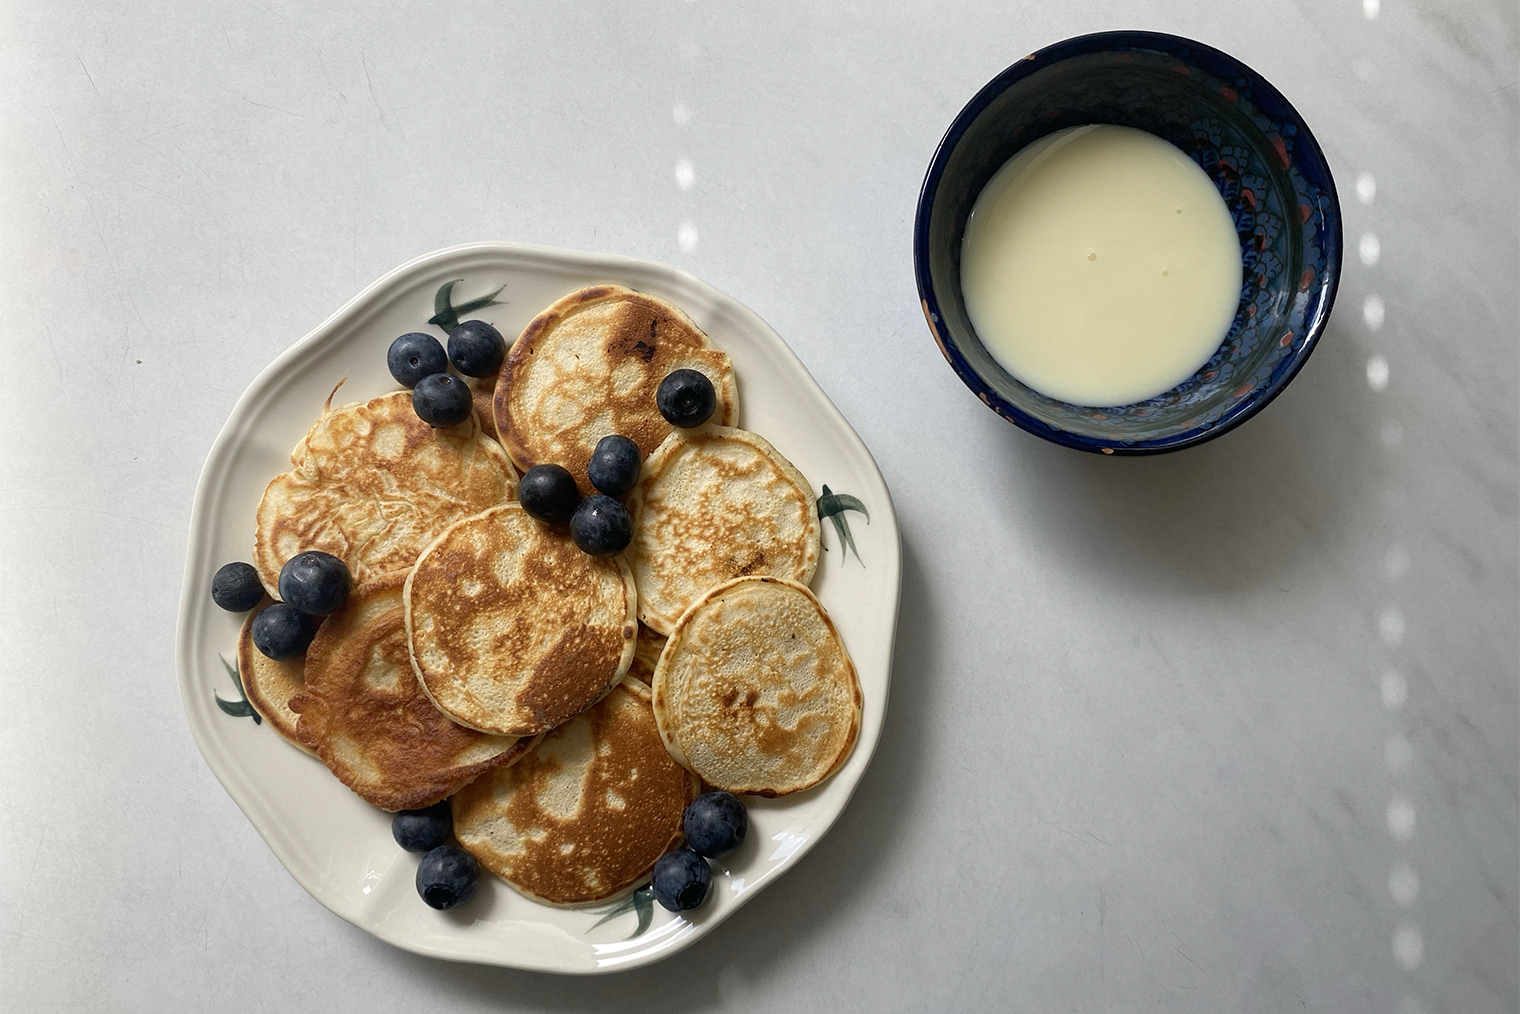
(373, 484)
(513, 629)
(583, 817)
(588, 367)
(755, 692)
(269, 684)
(365, 716)
(716, 503)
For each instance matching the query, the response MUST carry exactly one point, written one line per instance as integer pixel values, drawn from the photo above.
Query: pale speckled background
(1149, 718)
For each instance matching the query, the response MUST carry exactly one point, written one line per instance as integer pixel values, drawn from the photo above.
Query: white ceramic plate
(337, 846)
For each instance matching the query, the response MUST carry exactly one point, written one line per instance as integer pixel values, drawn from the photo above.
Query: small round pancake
(514, 630)
(369, 721)
(583, 817)
(714, 504)
(373, 484)
(269, 684)
(588, 367)
(755, 692)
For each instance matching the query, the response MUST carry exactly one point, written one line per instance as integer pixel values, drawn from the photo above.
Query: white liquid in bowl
(1100, 266)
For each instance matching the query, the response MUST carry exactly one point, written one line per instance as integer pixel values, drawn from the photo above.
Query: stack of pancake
(570, 706)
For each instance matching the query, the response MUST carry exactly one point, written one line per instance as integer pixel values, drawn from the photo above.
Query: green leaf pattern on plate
(640, 901)
(446, 315)
(832, 506)
(239, 708)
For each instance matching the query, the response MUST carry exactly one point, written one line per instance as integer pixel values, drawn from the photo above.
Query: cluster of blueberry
(715, 824)
(312, 584)
(600, 524)
(447, 875)
(418, 362)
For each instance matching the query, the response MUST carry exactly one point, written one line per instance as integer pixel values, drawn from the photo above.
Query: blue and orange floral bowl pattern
(1253, 145)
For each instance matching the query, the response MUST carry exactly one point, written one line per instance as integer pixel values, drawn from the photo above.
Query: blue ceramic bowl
(1252, 144)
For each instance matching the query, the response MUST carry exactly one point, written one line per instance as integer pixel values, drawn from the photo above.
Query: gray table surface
(1233, 729)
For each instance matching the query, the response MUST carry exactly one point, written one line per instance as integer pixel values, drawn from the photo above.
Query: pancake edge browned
(558, 311)
(660, 699)
(630, 621)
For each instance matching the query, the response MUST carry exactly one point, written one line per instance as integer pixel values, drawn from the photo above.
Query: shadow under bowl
(1249, 140)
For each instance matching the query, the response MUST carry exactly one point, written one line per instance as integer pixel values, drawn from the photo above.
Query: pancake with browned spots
(713, 504)
(513, 629)
(373, 484)
(755, 692)
(269, 684)
(364, 714)
(583, 817)
(588, 367)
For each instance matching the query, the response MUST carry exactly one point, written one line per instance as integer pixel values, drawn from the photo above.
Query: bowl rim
(1082, 45)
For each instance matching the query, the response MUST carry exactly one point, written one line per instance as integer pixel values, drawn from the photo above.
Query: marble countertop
(1236, 729)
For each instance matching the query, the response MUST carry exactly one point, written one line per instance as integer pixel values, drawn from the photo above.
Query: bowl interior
(1248, 140)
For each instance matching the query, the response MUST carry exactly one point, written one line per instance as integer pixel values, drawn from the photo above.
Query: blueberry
(477, 348)
(282, 631)
(314, 582)
(681, 880)
(686, 398)
(715, 824)
(601, 526)
(447, 877)
(549, 493)
(425, 829)
(614, 465)
(414, 356)
(236, 587)
(441, 399)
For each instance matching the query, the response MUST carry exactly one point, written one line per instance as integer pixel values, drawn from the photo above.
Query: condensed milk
(1100, 266)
